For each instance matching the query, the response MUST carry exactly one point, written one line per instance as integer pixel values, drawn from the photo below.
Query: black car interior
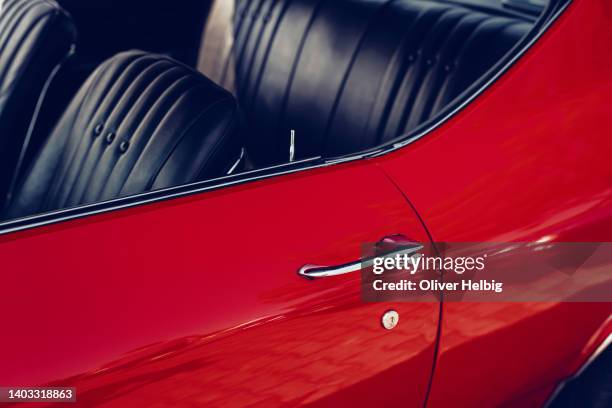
(349, 75)
(36, 36)
(341, 76)
(141, 122)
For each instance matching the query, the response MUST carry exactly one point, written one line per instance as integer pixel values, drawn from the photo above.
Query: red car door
(197, 300)
(533, 170)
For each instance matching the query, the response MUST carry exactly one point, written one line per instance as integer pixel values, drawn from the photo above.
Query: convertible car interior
(35, 38)
(274, 81)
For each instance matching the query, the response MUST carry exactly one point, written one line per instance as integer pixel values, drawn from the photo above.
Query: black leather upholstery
(350, 74)
(35, 37)
(140, 122)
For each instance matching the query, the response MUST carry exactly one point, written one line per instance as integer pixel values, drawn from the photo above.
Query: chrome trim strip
(519, 54)
(598, 351)
(195, 188)
(40, 220)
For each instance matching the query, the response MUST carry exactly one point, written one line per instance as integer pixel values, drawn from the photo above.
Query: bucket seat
(141, 122)
(348, 75)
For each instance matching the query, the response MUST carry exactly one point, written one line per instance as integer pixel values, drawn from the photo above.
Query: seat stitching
(113, 93)
(437, 85)
(215, 148)
(163, 99)
(238, 31)
(122, 114)
(422, 72)
(251, 26)
(11, 59)
(181, 93)
(262, 30)
(12, 20)
(402, 70)
(64, 151)
(151, 181)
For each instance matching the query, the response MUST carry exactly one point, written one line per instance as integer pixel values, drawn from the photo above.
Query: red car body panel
(528, 159)
(196, 300)
(193, 302)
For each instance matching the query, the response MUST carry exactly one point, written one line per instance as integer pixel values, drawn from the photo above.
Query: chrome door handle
(391, 246)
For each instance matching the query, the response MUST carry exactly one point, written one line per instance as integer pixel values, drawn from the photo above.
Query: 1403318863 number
(37, 394)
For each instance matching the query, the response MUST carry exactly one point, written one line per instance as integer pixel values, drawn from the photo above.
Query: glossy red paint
(197, 301)
(529, 159)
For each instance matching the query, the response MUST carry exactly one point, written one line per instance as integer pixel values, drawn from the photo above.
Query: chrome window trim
(186, 190)
(496, 72)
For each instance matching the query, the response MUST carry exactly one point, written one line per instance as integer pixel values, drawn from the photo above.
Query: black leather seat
(349, 75)
(35, 37)
(141, 122)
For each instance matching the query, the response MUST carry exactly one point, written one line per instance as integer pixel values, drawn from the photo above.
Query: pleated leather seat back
(35, 37)
(348, 75)
(141, 122)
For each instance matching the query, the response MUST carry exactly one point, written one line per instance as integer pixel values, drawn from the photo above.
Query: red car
(162, 209)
